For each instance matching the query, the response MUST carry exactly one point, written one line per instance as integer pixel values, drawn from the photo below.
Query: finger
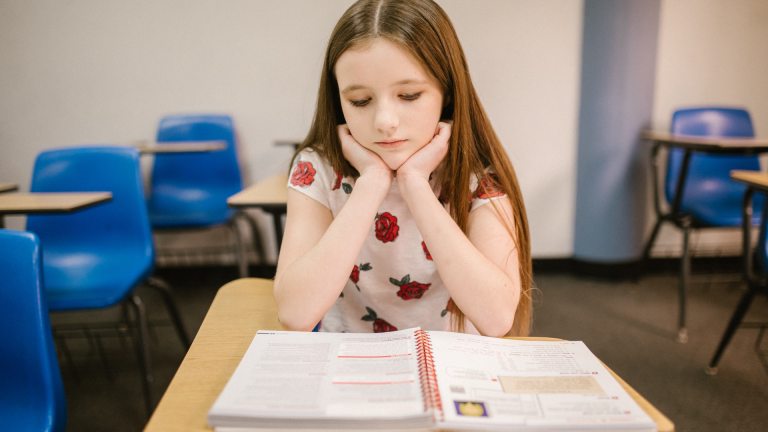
(342, 130)
(443, 128)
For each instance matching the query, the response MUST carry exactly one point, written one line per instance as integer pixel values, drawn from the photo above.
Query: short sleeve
(487, 189)
(312, 176)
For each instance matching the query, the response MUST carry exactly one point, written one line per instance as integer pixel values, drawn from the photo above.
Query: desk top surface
(707, 143)
(270, 191)
(8, 187)
(241, 308)
(181, 147)
(756, 179)
(43, 202)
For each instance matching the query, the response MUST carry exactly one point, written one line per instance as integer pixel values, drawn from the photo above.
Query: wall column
(617, 87)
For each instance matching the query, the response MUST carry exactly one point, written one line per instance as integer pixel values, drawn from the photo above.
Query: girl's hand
(426, 160)
(364, 160)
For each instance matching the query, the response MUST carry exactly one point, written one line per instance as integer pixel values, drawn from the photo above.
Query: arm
(480, 270)
(318, 250)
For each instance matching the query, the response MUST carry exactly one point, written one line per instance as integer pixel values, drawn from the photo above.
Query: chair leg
(145, 361)
(733, 325)
(651, 240)
(685, 274)
(258, 242)
(240, 252)
(164, 289)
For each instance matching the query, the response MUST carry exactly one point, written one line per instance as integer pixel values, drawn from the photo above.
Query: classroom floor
(629, 324)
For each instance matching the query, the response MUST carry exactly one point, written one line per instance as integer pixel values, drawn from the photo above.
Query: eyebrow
(354, 87)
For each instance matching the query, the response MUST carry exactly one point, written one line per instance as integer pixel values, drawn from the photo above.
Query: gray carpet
(630, 325)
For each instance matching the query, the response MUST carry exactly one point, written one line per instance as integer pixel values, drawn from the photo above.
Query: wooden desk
(270, 195)
(689, 144)
(39, 202)
(288, 143)
(241, 308)
(8, 187)
(147, 148)
(755, 181)
(708, 144)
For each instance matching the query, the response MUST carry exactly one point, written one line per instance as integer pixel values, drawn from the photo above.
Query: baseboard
(214, 272)
(636, 268)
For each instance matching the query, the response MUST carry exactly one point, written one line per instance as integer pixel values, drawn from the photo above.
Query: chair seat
(88, 280)
(172, 206)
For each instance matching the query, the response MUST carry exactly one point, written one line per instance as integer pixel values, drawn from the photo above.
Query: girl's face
(390, 103)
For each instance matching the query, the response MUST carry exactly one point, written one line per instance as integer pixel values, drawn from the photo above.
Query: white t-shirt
(394, 283)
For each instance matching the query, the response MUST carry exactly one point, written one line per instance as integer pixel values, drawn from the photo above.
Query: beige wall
(88, 71)
(711, 52)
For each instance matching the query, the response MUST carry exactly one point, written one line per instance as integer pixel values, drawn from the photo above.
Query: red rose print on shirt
(303, 174)
(355, 275)
(409, 290)
(339, 183)
(386, 227)
(379, 325)
(426, 251)
(488, 187)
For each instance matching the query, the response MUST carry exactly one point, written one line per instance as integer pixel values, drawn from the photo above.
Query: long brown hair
(422, 28)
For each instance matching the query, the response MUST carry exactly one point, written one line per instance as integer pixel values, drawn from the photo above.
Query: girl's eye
(410, 96)
(359, 102)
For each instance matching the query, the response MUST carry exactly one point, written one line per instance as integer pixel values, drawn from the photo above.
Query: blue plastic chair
(31, 393)
(710, 198)
(191, 190)
(95, 258)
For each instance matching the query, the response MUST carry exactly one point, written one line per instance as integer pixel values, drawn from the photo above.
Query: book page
(490, 382)
(323, 375)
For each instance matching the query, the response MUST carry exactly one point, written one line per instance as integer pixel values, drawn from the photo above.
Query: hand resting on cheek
(426, 160)
(362, 159)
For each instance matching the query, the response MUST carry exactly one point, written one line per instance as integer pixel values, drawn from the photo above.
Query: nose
(386, 119)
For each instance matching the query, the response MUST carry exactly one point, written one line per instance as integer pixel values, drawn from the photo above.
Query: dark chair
(756, 274)
(31, 394)
(710, 198)
(95, 258)
(191, 190)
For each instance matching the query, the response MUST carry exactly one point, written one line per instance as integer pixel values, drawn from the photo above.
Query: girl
(403, 207)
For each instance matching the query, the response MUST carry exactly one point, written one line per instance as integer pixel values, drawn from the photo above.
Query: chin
(394, 161)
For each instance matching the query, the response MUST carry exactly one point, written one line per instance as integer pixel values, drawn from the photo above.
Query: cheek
(425, 120)
(355, 124)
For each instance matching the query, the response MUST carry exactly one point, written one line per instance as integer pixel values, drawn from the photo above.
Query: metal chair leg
(257, 241)
(652, 240)
(239, 248)
(145, 361)
(164, 289)
(733, 325)
(685, 274)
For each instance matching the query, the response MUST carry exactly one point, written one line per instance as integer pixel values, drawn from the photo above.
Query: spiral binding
(429, 387)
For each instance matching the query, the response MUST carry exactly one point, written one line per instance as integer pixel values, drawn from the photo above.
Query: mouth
(391, 143)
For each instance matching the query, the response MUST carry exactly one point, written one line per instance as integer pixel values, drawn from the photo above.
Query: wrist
(375, 180)
(407, 182)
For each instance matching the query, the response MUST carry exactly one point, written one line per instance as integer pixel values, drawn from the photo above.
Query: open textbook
(422, 379)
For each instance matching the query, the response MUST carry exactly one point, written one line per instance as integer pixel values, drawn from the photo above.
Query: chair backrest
(218, 168)
(31, 393)
(706, 172)
(191, 190)
(118, 226)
